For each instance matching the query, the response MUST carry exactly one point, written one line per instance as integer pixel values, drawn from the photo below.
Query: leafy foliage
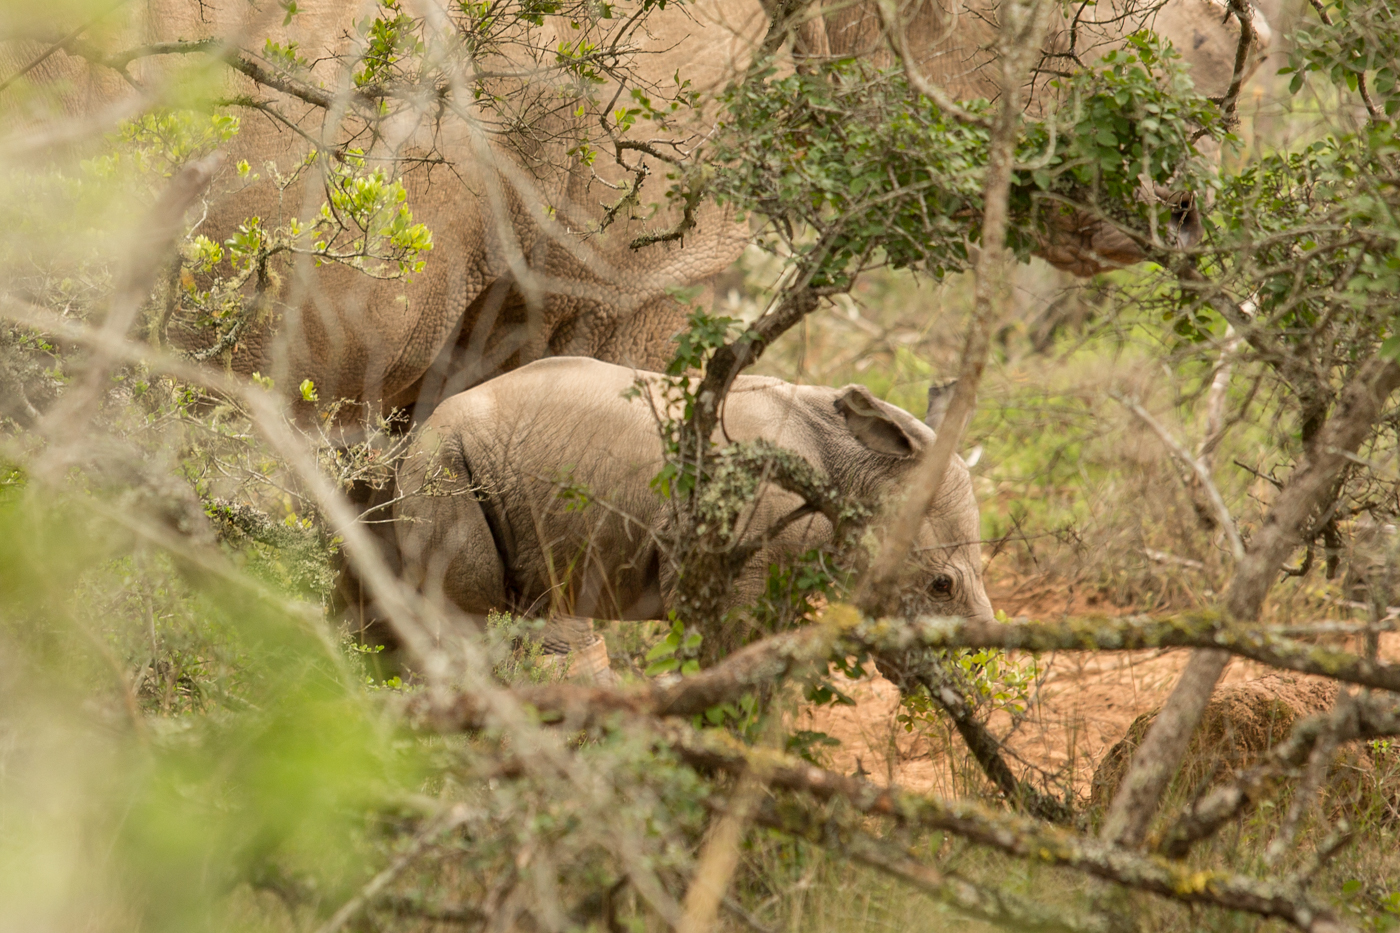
(852, 169)
(1355, 40)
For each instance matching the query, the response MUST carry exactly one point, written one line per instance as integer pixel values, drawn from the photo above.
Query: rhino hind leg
(449, 552)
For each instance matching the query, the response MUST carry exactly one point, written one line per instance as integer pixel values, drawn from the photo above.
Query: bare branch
(1023, 25)
(1319, 763)
(729, 360)
(1244, 15)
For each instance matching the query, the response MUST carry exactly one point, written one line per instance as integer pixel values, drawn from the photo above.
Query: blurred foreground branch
(1023, 25)
(1020, 836)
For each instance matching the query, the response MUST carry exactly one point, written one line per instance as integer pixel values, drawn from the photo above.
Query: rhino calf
(531, 492)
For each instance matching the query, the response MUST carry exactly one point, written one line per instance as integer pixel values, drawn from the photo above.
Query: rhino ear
(939, 398)
(874, 427)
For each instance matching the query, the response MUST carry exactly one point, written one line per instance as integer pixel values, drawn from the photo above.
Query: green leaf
(662, 667)
(662, 649)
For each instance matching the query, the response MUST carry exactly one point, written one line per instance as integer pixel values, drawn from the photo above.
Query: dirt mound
(1240, 724)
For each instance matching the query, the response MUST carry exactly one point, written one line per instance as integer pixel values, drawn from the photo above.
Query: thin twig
(1222, 513)
(899, 41)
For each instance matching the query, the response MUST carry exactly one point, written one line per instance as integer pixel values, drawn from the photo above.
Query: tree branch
(1245, 16)
(1023, 25)
(1015, 835)
(729, 360)
(842, 632)
(907, 669)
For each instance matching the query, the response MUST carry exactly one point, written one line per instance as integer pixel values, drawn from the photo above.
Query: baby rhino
(532, 492)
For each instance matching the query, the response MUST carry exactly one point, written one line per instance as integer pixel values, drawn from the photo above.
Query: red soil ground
(1082, 704)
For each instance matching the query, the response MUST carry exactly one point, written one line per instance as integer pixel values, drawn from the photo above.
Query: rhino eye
(942, 585)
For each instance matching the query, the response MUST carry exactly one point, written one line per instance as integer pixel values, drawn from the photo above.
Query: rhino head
(943, 575)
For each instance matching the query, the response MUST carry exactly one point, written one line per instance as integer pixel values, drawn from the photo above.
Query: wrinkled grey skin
(482, 522)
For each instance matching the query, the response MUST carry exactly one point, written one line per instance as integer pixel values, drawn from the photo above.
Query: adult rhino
(533, 235)
(490, 518)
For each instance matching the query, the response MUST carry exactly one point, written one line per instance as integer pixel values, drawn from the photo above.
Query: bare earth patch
(1083, 704)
